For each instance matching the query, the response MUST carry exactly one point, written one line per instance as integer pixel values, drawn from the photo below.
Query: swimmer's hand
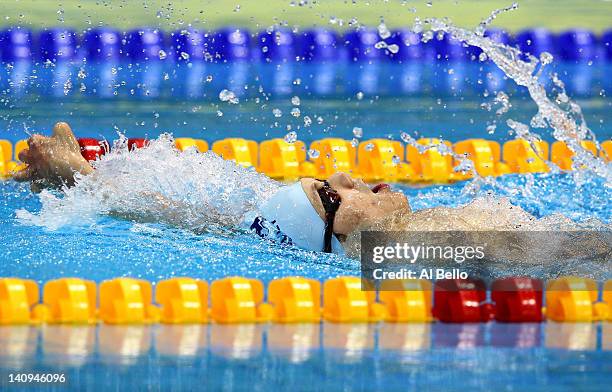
(52, 161)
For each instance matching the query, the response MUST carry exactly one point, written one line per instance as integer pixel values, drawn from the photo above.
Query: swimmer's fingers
(63, 134)
(25, 156)
(36, 140)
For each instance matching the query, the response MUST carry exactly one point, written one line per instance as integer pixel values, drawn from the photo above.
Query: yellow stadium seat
(431, 165)
(182, 300)
(281, 160)
(521, 158)
(344, 301)
(562, 156)
(17, 296)
(127, 301)
(238, 300)
(241, 151)
(295, 300)
(334, 155)
(485, 154)
(406, 300)
(606, 150)
(382, 160)
(70, 300)
(571, 299)
(183, 143)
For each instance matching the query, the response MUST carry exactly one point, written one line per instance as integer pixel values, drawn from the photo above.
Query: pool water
(326, 357)
(255, 357)
(113, 247)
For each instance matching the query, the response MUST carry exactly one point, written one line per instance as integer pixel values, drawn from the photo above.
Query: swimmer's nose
(341, 180)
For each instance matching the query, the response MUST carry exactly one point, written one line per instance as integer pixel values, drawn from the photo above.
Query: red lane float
(134, 143)
(461, 301)
(92, 149)
(517, 300)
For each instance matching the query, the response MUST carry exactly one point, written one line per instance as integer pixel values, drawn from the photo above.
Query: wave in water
(197, 191)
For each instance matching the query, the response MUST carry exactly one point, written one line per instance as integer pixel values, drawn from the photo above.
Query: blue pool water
(326, 357)
(253, 357)
(114, 247)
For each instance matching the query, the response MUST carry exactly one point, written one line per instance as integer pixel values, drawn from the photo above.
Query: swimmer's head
(289, 217)
(361, 206)
(300, 215)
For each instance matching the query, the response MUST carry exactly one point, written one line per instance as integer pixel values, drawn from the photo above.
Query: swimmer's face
(360, 206)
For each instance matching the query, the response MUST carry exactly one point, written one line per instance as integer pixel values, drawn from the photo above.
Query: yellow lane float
(241, 151)
(485, 154)
(382, 160)
(127, 301)
(17, 296)
(522, 158)
(562, 156)
(333, 155)
(182, 301)
(69, 301)
(183, 143)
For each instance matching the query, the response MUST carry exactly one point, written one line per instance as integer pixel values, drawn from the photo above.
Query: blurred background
(555, 15)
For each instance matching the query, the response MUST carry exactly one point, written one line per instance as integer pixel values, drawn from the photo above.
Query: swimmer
(311, 214)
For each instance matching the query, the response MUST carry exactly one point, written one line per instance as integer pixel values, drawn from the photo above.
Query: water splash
(562, 115)
(191, 190)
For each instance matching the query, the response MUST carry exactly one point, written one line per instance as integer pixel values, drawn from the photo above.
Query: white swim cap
(289, 217)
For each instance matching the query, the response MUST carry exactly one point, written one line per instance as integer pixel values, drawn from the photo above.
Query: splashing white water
(159, 184)
(564, 116)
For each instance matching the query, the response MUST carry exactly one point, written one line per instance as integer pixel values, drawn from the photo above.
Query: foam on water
(159, 184)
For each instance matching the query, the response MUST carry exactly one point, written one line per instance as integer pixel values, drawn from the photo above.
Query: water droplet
(219, 113)
(383, 31)
(354, 142)
(277, 112)
(162, 54)
(359, 95)
(396, 160)
(546, 58)
(228, 96)
(313, 154)
(295, 112)
(380, 45)
(369, 147)
(209, 78)
(295, 101)
(393, 48)
(291, 137)
(81, 74)
(358, 132)
(406, 138)
(185, 56)
(307, 121)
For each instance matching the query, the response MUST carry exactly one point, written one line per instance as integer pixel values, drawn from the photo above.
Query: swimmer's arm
(53, 162)
(159, 209)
